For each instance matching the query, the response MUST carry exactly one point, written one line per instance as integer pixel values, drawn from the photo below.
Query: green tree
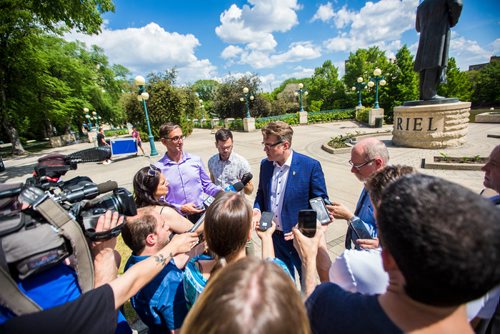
(362, 63)
(458, 83)
(486, 92)
(20, 23)
(206, 90)
(325, 85)
(404, 81)
(227, 99)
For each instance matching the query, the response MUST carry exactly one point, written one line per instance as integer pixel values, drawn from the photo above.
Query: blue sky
(276, 39)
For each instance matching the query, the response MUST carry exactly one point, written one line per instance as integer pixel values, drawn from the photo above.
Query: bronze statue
(434, 20)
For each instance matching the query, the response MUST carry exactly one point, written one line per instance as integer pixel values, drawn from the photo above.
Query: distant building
(480, 66)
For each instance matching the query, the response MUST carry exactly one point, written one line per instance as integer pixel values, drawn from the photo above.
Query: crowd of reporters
(431, 263)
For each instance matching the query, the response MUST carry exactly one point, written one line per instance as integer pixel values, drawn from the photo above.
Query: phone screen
(360, 230)
(266, 219)
(318, 205)
(307, 222)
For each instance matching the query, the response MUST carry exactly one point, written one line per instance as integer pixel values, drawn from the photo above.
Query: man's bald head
(368, 156)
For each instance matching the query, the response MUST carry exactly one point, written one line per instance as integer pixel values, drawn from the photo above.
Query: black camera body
(79, 195)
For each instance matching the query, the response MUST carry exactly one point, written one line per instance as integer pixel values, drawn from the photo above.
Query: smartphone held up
(307, 222)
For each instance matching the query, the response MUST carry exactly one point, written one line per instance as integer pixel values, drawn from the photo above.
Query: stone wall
(431, 126)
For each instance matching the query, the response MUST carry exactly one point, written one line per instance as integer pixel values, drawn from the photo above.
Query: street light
(247, 96)
(374, 81)
(299, 93)
(202, 108)
(143, 96)
(359, 86)
(87, 116)
(96, 118)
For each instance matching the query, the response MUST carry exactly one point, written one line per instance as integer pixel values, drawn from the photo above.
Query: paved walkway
(341, 184)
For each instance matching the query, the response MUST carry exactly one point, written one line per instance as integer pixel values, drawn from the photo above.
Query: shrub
(362, 115)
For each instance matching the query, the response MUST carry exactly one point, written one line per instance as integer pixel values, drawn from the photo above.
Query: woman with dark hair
(228, 227)
(249, 296)
(150, 187)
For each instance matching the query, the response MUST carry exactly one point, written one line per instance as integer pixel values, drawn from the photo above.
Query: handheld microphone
(247, 177)
(237, 186)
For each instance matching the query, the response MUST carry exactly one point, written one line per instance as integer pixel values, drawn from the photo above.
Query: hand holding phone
(266, 221)
(307, 222)
(359, 229)
(318, 205)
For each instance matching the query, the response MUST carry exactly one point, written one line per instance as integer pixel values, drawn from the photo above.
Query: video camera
(78, 196)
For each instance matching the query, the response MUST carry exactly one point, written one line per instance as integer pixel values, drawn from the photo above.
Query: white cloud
(150, 48)
(253, 26)
(496, 46)
(231, 51)
(375, 24)
(467, 52)
(324, 13)
(297, 51)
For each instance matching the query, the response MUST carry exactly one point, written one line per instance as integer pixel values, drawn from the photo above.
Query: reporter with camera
(95, 311)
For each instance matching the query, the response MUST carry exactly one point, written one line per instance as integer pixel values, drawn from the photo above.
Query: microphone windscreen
(246, 178)
(90, 155)
(107, 186)
(238, 186)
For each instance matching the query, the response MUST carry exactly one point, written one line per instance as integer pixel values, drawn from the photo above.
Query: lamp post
(247, 97)
(143, 96)
(374, 81)
(359, 86)
(299, 93)
(96, 118)
(87, 116)
(202, 106)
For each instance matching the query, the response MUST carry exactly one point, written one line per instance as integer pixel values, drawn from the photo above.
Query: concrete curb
(327, 148)
(450, 166)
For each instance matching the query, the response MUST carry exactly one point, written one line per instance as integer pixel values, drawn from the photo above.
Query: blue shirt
(53, 287)
(160, 304)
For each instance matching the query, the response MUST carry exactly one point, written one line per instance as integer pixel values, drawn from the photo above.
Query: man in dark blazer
(434, 20)
(287, 181)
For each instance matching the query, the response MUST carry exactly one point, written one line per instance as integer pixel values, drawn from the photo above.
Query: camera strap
(59, 217)
(13, 298)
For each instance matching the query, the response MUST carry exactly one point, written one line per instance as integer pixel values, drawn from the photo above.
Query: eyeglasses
(359, 166)
(153, 170)
(175, 139)
(268, 146)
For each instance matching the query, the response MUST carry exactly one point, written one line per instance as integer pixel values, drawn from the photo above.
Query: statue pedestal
(302, 117)
(431, 126)
(249, 124)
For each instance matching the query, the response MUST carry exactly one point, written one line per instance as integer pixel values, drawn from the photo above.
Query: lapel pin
(293, 173)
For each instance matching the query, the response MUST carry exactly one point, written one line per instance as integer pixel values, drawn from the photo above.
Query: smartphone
(266, 220)
(318, 205)
(207, 202)
(307, 222)
(359, 229)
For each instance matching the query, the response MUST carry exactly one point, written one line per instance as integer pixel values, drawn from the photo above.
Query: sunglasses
(153, 170)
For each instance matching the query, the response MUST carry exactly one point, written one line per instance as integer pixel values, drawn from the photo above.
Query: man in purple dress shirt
(185, 173)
